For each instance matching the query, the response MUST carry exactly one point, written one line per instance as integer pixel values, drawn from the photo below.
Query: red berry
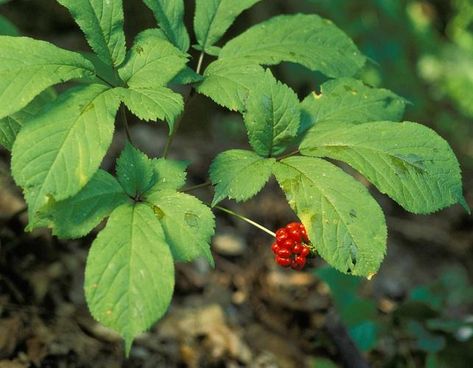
(293, 226)
(288, 244)
(295, 235)
(305, 251)
(281, 234)
(275, 247)
(284, 252)
(298, 248)
(298, 263)
(300, 260)
(284, 262)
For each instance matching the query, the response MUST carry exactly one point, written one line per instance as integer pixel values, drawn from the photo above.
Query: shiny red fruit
(293, 226)
(284, 262)
(275, 247)
(300, 260)
(298, 248)
(288, 244)
(295, 234)
(282, 234)
(283, 252)
(305, 251)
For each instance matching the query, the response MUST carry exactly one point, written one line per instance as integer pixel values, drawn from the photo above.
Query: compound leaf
(102, 23)
(170, 17)
(214, 17)
(306, 39)
(228, 82)
(152, 61)
(135, 171)
(188, 224)
(57, 153)
(11, 125)
(129, 276)
(350, 101)
(407, 161)
(239, 175)
(77, 216)
(28, 67)
(272, 116)
(343, 221)
(151, 104)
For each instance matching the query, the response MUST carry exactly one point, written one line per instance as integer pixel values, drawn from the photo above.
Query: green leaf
(129, 276)
(135, 171)
(272, 116)
(228, 82)
(187, 223)
(170, 17)
(102, 23)
(151, 104)
(7, 28)
(407, 161)
(28, 67)
(343, 221)
(11, 125)
(187, 76)
(152, 62)
(58, 152)
(214, 17)
(239, 175)
(309, 40)
(169, 174)
(77, 216)
(350, 101)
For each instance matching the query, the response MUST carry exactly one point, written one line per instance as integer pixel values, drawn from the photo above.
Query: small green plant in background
(419, 328)
(58, 143)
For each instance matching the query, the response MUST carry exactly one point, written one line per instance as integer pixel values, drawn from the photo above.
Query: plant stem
(288, 155)
(186, 103)
(199, 63)
(125, 124)
(261, 227)
(198, 186)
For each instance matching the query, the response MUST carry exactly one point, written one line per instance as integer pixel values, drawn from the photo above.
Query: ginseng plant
(58, 142)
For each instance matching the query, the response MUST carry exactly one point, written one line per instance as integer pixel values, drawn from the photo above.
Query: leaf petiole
(251, 222)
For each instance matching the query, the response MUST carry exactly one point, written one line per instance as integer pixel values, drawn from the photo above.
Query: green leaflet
(407, 161)
(135, 171)
(28, 67)
(169, 174)
(187, 76)
(188, 224)
(343, 221)
(102, 23)
(152, 61)
(228, 82)
(272, 116)
(11, 125)
(214, 17)
(77, 216)
(129, 276)
(305, 39)
(349, 101)
(151, 104)
(170, 17)
(56, 154)
(239, 175)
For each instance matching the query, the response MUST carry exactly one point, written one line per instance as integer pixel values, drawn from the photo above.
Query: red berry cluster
(291, 246)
